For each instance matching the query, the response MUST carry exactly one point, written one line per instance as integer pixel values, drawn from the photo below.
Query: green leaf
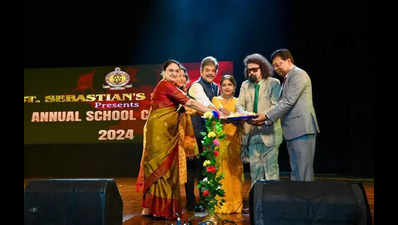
(213, 184)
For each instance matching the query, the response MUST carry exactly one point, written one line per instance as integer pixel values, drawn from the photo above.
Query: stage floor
(132, 201)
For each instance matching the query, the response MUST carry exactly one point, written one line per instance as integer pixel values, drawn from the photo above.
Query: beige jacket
(268, 97)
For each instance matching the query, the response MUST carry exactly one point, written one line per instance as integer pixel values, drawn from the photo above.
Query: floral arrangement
(210, 186)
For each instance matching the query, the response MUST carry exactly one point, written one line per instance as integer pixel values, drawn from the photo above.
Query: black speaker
(72, 202)
(303, 203)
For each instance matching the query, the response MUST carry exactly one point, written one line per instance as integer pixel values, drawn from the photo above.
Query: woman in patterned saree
(229, 154)
(163, 164)
(186, 130)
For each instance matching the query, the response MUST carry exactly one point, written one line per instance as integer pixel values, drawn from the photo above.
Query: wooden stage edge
(132, 200)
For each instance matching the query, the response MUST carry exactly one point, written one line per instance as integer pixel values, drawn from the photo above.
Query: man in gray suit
(297, 114)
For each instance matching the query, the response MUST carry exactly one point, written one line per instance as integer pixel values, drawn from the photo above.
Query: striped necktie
(257, 88)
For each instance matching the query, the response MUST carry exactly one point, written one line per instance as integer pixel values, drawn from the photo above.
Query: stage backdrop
(91, 105)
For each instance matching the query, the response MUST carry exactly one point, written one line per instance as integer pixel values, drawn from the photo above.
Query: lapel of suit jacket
(250, 88)
(263, 85)
(282, 88)
(286, 81)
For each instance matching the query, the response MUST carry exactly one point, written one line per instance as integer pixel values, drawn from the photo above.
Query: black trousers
(194, 171)
(195, 165)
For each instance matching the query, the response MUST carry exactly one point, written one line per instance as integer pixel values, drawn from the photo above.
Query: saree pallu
(230, 165)
(162, 165)
(229, 162)
(187, 135)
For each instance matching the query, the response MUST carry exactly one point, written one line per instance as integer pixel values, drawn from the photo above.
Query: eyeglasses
(254, 69)
(277, 64)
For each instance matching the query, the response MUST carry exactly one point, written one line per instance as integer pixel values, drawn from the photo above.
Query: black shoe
(190, 207)
(199, 208)
(158, 218)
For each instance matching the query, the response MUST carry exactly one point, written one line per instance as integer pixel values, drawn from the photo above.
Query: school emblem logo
(117, 80)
